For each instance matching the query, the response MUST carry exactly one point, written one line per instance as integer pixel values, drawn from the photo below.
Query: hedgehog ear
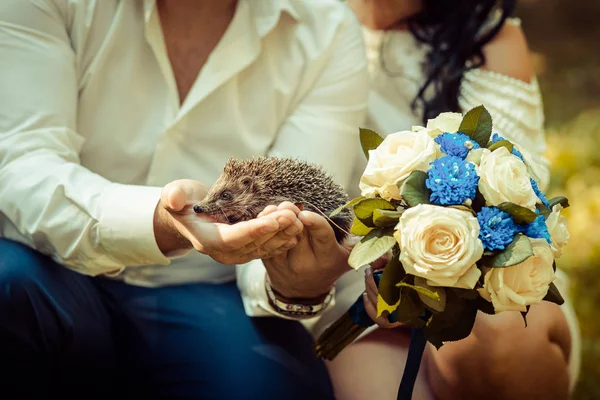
(247, 182)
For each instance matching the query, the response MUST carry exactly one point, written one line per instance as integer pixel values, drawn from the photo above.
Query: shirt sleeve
(55, 204)
(323, 129)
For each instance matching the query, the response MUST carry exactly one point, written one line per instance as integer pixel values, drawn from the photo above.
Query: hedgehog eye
(226, 195)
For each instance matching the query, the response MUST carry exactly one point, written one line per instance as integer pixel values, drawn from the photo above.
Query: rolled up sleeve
(48, 199)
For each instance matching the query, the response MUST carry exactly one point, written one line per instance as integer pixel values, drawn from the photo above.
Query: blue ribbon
(359, 316)
(413, 363)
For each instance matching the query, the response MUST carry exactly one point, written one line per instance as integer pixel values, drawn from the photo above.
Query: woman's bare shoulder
(508, 53)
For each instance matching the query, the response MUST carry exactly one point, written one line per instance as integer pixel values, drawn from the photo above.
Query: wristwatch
(297, 308)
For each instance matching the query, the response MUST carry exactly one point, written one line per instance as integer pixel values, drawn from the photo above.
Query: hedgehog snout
(204, 207)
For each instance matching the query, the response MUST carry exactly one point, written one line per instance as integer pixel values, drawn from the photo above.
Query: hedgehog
(246, 187)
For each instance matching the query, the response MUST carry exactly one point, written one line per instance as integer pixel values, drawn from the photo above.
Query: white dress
(517, 113)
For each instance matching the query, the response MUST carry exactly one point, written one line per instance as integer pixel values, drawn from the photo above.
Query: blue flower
(497, 228)
(453, 144)
(537, 229)
(514, 152)
(451, 180)
(539, 193)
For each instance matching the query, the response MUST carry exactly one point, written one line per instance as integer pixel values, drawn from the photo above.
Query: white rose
(558, 229)
(440, 244)
(392, 162)
(475, 155)
(433, 133)
(446, 122)
(514, 288)
(504, 178)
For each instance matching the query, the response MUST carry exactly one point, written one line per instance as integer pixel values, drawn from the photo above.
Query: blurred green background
(564, 36)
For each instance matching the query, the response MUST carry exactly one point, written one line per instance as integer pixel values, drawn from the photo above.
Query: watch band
(295, 309)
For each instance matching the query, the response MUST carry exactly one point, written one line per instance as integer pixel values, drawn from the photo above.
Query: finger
(268, 210)
(240, 235)
(286, 205)
(177, 194)
(280, 241)
(379, 263)
(303, 246)
(370, 307)
(280, 254)
(382, 320)
(321, 234)
(371, 287)
(271, 242)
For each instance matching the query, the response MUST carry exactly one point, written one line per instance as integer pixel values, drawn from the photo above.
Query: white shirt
(91, 127)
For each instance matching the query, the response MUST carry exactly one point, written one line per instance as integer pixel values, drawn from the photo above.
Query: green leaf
(347, 205)
(433, 297)
(554, 295)
(502, 143)
(413, 189)
(455, 323)
(421, 290)
(515, 253)
(484, 306)
(389, 295)
(410, 309)
(543, 210)
(520, 214)
(359, 229)
(371, 247)
(369, 140)
(383, 218)
(468, 294)
(524, 315)
(477, 124)
(363, 210)
(563, 201)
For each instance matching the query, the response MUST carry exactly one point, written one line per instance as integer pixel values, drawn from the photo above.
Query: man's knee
(20, 267)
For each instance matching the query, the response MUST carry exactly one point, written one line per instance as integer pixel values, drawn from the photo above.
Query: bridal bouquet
(460, 215)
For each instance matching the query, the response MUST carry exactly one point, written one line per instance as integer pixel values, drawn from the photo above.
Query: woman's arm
(508, 54)
(503, 359)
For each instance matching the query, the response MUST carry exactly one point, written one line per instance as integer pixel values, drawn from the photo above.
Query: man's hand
(309, 269)
(177, 227)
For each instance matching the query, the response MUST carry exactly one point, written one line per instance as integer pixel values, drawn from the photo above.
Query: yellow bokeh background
(563, 35)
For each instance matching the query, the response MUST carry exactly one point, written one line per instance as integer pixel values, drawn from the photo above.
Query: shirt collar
(267, 13)
(148, 8)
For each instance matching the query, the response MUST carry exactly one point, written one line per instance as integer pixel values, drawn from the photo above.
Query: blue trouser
(66, 335)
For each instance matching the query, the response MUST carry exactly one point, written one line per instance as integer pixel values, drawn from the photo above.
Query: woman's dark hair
(456, 32)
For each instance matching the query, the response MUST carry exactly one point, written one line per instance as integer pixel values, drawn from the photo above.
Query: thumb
(321, 233)
(177, 194)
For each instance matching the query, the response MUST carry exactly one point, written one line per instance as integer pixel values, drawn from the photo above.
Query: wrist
(302, 299)
(298, 308)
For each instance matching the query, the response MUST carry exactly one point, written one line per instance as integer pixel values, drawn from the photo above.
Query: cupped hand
(310, 268)
(178, 227)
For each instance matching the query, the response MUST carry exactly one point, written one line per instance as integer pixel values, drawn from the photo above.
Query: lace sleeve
(517, 111)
